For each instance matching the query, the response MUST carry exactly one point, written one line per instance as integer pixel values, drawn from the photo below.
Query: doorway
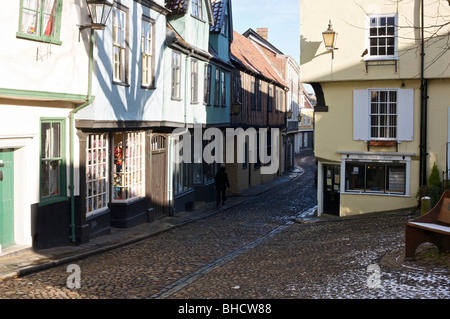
(6, 198)
(331, 189)
(159, 167)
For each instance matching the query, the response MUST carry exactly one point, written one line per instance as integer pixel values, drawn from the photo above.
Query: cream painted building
(382, 114)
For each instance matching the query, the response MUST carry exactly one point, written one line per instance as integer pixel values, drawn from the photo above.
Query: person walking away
(221, 184)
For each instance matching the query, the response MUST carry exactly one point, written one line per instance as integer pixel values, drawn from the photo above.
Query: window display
(128, 165)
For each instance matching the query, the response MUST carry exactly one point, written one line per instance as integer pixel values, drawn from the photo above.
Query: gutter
(89, 100)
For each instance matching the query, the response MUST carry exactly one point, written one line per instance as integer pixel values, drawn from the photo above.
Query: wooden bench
(433, 227)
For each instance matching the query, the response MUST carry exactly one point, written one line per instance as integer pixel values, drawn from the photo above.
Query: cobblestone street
(259, 249)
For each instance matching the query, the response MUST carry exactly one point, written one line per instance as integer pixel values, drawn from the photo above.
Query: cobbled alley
(270, 246)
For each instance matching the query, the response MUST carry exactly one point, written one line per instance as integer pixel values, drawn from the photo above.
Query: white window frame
(388, 114)
(369, 56)
(120, 45)
(176, 75)
(147, 50)
(194, 81)
(128, 166)
(405, 114)
(97, 173)
(196, 9)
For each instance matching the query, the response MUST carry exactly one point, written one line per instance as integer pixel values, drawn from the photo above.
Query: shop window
(128, 165)
(372, 177)
(97, 183)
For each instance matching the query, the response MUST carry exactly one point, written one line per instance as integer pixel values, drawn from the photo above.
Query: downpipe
(89, 100)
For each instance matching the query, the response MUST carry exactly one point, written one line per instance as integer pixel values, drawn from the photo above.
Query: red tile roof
(246, 52)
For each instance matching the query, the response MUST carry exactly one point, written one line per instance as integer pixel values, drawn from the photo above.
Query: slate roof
(219, 14)
(181, 7)
(176, 6)
(245, 52)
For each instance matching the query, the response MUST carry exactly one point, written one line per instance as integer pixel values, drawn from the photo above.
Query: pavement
(20, 261)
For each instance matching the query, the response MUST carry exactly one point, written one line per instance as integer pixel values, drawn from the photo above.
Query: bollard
(425, 205)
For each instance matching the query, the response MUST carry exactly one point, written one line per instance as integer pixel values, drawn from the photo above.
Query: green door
(6, 198)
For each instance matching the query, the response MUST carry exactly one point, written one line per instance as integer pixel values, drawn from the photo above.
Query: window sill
(381, 58)
(198, 18)
(97, 212)
(53, 200)
(150, 87)
(121, 84)
(38, 38)
(127, 201)
(375, 194)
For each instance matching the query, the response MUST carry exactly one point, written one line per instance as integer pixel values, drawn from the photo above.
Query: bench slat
(430, 226)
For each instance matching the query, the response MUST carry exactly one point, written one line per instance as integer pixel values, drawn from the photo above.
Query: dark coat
(221, 180)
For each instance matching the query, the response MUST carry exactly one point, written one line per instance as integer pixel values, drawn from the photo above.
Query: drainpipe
(423, 107)
(89, 100)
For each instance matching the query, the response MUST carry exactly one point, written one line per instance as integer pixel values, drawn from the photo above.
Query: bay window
(128, 165)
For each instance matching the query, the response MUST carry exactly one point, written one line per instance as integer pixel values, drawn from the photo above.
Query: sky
(282, 17)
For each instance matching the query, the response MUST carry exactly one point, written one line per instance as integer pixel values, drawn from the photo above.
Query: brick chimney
(263, 32)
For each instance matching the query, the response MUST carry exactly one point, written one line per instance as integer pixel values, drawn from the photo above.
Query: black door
(331, 189)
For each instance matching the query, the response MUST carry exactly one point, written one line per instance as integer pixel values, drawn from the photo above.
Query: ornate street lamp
(329, 38)
(99, 11)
